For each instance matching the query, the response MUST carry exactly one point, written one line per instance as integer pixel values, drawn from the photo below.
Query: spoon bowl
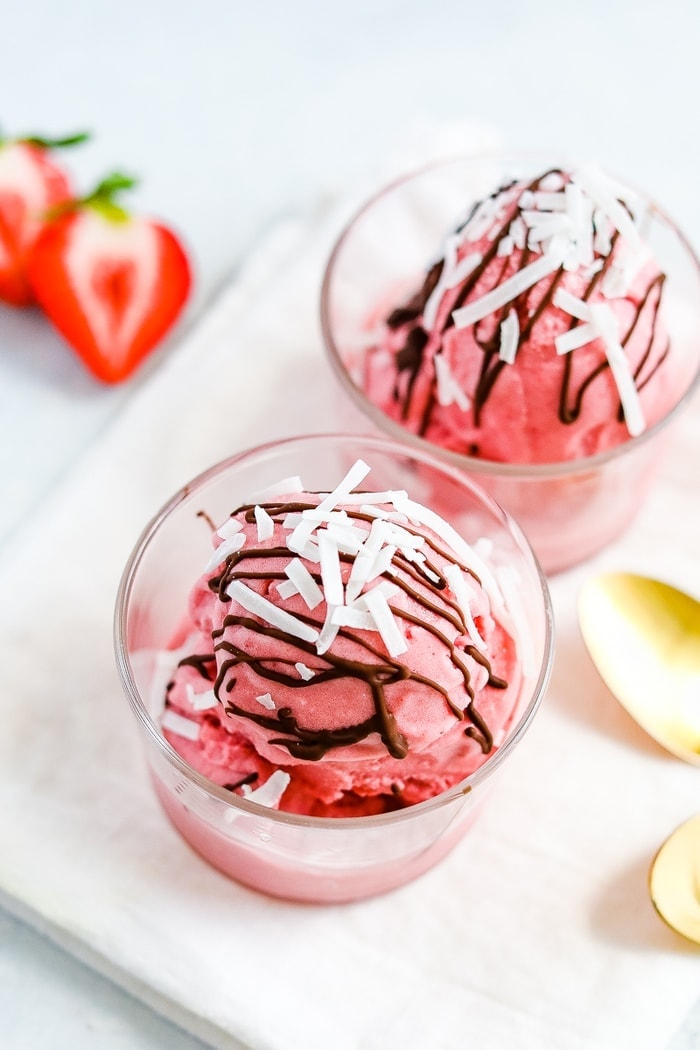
(644, 638)
(674, 880)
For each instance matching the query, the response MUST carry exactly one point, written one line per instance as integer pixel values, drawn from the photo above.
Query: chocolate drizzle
(529, 306)
(240, 641)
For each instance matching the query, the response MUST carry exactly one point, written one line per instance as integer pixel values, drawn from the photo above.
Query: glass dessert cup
(321, 859)
(571, 509)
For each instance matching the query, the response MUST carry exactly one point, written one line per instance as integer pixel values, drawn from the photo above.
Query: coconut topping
(201, 701)
(172, 722)
(322, 534)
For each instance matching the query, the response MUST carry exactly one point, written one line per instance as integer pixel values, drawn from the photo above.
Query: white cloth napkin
(536, 932)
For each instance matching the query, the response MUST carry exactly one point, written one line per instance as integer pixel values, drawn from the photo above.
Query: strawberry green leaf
(102, 197)
(45, 143)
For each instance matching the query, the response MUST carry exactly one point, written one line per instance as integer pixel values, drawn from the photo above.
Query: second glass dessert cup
(569, 510)
(328, 859)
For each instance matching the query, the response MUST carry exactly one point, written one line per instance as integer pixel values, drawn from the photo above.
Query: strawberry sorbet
(343, 654)
(535, 337)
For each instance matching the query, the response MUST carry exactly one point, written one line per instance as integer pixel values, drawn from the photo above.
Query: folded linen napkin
(535, 932)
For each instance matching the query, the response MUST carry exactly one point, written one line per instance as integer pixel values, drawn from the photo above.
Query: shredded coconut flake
(385, 587)
(265, 524)
(265, 700)
(570, 304)
(172, 722)
(505, 246)
(382, 562)
(292, 519)
(591, 270)
(223, 551)
(305, 672)
(364, 561)
(347, 538)
(271, 614)
(385, 623)
(552, 181)
(518, 231)
(510, 289)
(330, 569)
(303, 583)
(546, 200)
(353, 616)
(510, 336)
(229, 529)
(448, 389)
(357, 473)
(620, 368)
(287, 589)
(604, 194)
(269, 793)
(200, 701)
(576, 337)
(328, 632)
(453, 273)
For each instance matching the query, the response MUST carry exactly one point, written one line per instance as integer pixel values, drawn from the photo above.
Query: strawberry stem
(102, 197)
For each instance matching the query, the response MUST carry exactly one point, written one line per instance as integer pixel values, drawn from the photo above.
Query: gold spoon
(674, 880)
(644, 638)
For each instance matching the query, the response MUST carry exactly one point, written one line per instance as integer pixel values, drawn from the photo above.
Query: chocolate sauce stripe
(415, 306)
(198, 661)
(656, 283)
(479, 658)
(308, 744)
(452, 650)
(479, 731)
(392, 669)
(372, 674)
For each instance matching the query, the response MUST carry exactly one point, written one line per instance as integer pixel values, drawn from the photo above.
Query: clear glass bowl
(568, 510)
(283, 854)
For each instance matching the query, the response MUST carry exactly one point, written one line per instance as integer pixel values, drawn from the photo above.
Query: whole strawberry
(30, 184)
(112, 283)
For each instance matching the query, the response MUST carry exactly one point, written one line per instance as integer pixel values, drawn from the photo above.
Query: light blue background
(235, 114)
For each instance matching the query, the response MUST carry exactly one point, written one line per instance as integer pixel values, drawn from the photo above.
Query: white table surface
(235, 114)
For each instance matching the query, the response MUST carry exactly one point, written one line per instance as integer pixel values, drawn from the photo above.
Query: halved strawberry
(111, 283)
(31, 183)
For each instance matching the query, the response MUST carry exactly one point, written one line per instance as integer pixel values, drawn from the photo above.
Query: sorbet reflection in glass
(536, 324)
(327, 672)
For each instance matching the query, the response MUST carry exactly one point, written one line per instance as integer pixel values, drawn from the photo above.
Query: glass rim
(475, 464)
(155, 736)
